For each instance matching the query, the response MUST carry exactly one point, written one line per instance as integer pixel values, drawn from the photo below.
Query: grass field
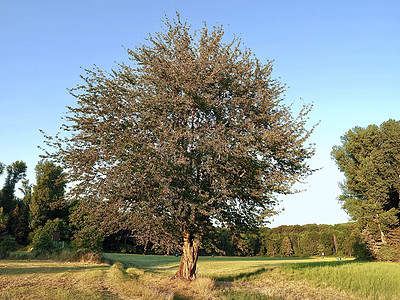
(148, 277)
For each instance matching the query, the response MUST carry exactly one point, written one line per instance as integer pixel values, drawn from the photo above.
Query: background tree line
(292, 240)
(38, 218)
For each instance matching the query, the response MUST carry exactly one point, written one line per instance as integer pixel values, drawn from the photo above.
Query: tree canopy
(48, 190)
(192, 134)
(15, 172)
(370, 160)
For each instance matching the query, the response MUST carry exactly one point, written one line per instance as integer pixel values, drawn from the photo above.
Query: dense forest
(292, 240)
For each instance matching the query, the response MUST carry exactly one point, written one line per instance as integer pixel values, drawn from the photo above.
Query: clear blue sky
(342, 55)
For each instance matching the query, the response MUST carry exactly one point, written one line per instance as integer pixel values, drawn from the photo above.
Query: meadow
(129, 276)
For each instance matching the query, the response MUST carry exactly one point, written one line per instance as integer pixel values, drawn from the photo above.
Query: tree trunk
(383, 237)
(188, 266)
(335, 242)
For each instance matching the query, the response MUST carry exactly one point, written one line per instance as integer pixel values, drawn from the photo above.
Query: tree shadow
(181, 297)
(146, 262)
(321, 264)
(231, 278)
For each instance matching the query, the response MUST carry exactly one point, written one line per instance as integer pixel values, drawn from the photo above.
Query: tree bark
(335, 243)
(188, 266)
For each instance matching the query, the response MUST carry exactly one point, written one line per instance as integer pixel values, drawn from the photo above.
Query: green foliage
(17, 224)
(7, 245)
(47, 193)
(387, 253)
(370, 160)
(88, 238)
(19, 216)
(308, 240)
(361, 251)
(3, 222)
(43, 242)
(13, 212)
(15, 172)
(58, 225)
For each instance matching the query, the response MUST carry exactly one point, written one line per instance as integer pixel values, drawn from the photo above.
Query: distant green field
(218, 267)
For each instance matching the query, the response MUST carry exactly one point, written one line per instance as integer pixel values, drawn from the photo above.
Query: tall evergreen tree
(370, 160)
(15, 172)
(47, 194)
(193, 134)
(3, 222)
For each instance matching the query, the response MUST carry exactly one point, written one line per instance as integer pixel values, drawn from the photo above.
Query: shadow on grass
(251, 258)
(298, 266)
(141, 261)
(180, 297)
(242, 275)
(46, 270)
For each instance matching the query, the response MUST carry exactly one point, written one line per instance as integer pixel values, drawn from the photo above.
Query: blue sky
(342, 55)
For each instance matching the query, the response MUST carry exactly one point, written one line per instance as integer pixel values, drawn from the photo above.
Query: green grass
(218, 267)
(372, 280)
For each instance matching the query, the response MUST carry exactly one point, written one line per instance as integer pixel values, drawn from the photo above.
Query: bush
(88, 255)
(361, 251)
(88, 239)
(7, 245)
(20, 255)
(43, 242)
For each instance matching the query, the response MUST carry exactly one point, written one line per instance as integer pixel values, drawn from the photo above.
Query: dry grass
(50, 280)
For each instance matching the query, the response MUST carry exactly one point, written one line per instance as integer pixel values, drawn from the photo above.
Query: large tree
(370, 160)
(193, 134)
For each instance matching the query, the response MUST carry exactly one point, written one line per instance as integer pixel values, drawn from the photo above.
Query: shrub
(43, 242)
(7, 245)
(88, 239)
(361, 251)
(88, 255)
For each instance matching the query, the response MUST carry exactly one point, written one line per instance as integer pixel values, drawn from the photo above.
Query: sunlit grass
(372, 280)
(218, 267)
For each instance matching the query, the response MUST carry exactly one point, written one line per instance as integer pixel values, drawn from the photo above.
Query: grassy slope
(148, 277)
